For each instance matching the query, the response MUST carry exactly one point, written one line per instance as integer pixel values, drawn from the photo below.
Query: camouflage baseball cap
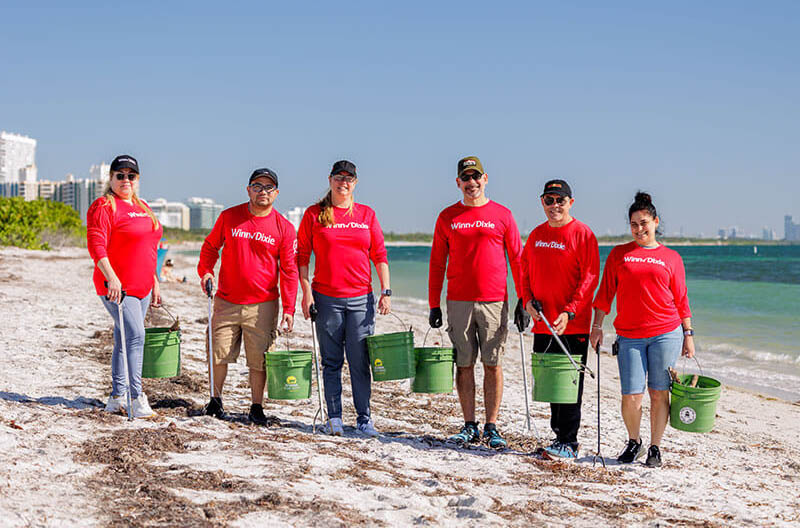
(469, 163)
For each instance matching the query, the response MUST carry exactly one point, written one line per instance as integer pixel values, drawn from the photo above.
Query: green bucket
(288, 374)
(693, 409)
(162, 353)
(555, 380)
(434, 372)
(391, 356)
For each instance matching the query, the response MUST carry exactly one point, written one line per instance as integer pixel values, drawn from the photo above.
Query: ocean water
(745, 310)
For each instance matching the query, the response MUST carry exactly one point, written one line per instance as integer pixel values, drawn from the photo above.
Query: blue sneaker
(469, 434)
(493, 438)
(562, 450)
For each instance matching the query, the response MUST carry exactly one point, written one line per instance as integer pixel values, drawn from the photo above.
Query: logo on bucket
(687, 415)
(291, 382)
(379, 365)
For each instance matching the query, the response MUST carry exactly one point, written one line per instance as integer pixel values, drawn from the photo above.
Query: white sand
(52, 433)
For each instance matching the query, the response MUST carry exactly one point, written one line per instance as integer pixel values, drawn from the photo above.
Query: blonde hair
(110, 197)
(326, 217)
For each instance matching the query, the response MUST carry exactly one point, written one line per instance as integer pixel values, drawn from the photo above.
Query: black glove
(312, 312)
(435, 317)
(537, 305)
(521, 317)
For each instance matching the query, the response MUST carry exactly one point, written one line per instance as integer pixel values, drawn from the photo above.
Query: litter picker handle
(312, 312)
(122, 292)
(209, 287)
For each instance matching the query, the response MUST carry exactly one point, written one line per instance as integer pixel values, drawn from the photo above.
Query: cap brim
(560, 192)
(126, 165)
(470, 169)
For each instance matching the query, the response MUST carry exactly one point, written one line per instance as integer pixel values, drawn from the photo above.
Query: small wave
(755, 355)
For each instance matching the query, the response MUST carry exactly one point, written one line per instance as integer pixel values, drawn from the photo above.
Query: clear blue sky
(696, 103)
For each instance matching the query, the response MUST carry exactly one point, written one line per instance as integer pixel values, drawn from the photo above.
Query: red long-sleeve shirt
(342, 251)
(650, 285)
(127, 237)
(475, 240)
(561, 268)
(256, 250)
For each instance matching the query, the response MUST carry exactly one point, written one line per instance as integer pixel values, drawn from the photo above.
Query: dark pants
(343, 325)
(565, 418)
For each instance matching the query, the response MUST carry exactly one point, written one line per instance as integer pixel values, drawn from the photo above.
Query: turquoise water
(745, 306)
(746, 309)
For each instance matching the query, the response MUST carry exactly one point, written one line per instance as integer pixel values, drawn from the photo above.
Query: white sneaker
(141, 407)
(333, 427)
(116, 404)
(368, 429)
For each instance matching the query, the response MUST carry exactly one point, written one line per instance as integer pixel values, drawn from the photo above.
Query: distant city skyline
(693, 102)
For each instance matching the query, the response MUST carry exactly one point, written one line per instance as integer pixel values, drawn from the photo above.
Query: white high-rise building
(99, 172)
(171, 214)
(17, 158)
(295, 215)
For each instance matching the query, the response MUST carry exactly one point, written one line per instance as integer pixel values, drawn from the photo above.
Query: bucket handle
(441, 335)
(683, 364)
(410, 328)
(288, 346)
(162, 305)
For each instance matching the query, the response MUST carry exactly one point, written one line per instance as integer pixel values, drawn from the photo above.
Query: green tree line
(39, 224)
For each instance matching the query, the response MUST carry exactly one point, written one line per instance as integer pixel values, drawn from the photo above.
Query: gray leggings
(343, 325)
(133, 312)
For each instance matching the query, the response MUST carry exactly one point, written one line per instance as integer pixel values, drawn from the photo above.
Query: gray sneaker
(368, 429)
(333, 427)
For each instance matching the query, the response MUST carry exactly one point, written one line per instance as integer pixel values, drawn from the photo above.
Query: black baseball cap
(344, 166)
(269, 173)
(125, 161)
(559, 187)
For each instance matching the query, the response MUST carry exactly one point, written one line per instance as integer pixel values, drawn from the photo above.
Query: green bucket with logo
(288, 374)
(555, 380)
(162, 353)
(694, 409)
(391, 356)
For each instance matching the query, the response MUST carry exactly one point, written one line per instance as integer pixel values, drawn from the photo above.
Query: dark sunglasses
(348, 178)
(131, 176)
(549, 200)
(473, 176)
(257, 187)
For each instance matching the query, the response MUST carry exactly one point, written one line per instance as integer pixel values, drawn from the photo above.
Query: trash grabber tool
(598, 455)
(124, 345)
(321, 409)
(525, 386)
(210, 292)
(538, 308)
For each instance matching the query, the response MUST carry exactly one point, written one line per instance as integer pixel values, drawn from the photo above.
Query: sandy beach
(65, 462)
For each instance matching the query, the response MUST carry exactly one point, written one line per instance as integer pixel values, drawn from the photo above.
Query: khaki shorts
(477, 326)
(255, 324)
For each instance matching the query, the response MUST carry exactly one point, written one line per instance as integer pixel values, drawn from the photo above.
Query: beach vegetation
(39, 224)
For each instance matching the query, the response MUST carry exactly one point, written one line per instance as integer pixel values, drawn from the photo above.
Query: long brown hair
(326, 217)
(110, 197)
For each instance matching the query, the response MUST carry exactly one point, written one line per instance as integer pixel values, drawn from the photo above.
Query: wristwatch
(387, 292)
(688, 332)
(570, 315)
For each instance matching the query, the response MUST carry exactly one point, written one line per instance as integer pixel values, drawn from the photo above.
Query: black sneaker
(469, 434)
(632, 452)
(214, 407)
(653, 457)
(256, 414)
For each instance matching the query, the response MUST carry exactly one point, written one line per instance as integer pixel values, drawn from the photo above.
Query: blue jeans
(343, 325)
(133, 312)
(648, 357)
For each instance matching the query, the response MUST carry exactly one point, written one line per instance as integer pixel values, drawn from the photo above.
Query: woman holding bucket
(122, 236)
(344, 236)
(653, 324)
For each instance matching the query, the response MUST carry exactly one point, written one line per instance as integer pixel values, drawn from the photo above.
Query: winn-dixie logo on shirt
(472, 225)
(349, 225)
(137, 215)
(552, 245)
(648, 260)
(258, 236)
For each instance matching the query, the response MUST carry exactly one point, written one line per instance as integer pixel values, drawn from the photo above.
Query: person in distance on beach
(560, 269)
(259, 247)
(122, 235)
(470, 242)
(653, 324)
(344, 236)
